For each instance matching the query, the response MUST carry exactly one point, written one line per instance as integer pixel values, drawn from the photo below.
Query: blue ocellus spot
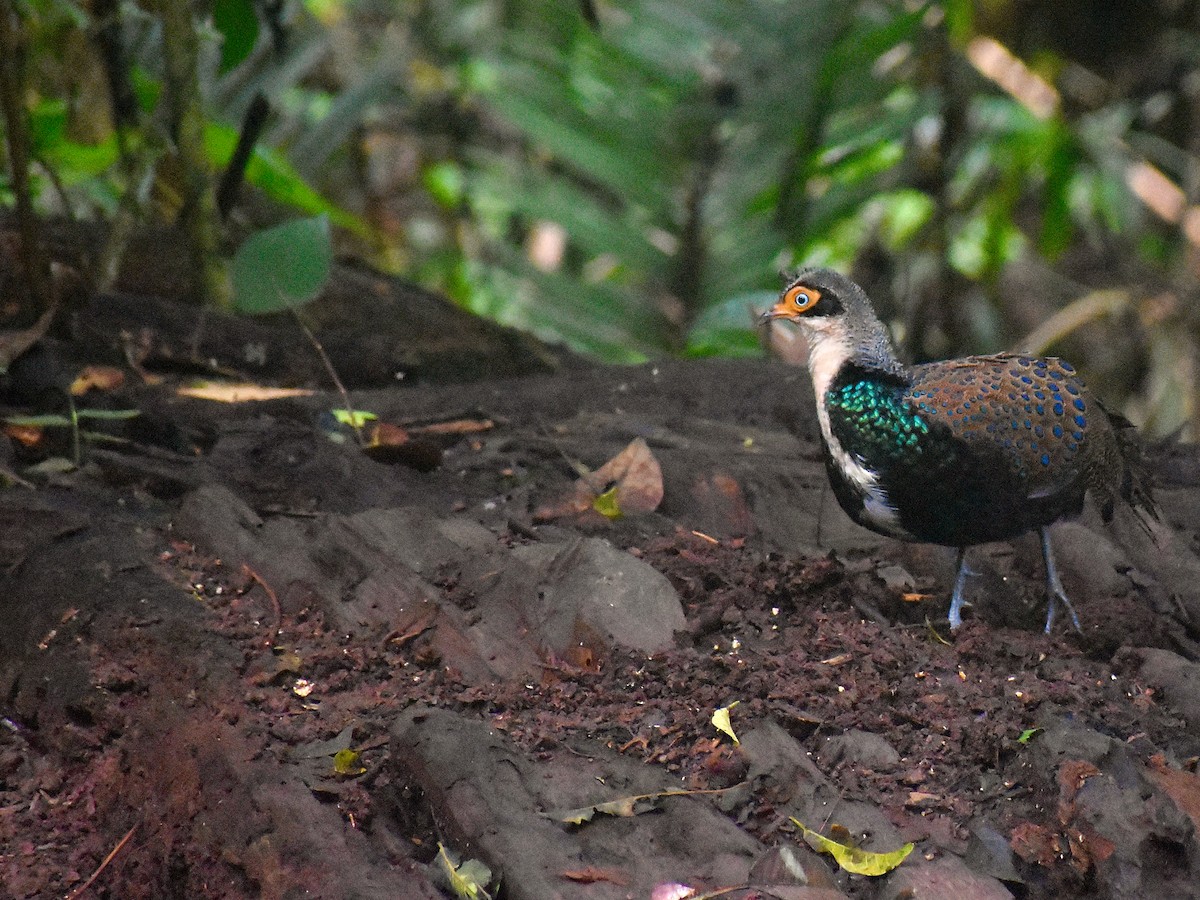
(1058, 432)
(1079, 404)
(1045, 459)
(1072, 388)
(1081, 421)
(1058, 409)
(1078, 435)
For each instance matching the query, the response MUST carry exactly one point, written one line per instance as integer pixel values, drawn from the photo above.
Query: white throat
(828, 350)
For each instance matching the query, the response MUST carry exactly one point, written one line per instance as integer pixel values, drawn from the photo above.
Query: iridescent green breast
(875, 420)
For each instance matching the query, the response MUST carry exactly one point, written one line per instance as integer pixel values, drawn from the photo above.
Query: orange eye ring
(801, 298)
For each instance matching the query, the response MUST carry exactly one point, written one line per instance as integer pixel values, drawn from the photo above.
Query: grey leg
(1054, 587)
(960, 583)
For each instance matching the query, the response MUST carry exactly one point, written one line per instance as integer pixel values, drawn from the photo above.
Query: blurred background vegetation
(630, 177)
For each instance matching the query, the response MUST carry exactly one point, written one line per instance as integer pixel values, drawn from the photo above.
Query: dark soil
(200, 618)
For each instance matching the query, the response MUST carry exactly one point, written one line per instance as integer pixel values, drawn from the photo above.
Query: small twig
(1090, 307)
(115, 850)
(76, 450)
(272, 596)
(328, 363)
(33, 251)
(253, 123)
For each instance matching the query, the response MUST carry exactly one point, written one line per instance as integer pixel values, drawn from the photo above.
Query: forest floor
(243, 657)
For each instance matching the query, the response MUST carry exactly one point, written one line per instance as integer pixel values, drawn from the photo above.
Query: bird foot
(1054, 587)
(957, 600)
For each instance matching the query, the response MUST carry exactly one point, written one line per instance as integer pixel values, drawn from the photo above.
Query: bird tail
(1135, 486)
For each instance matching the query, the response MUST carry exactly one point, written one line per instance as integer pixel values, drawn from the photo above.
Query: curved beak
(779, 311)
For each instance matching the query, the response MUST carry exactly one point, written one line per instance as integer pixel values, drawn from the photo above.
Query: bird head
(834, 312)
(815, 294)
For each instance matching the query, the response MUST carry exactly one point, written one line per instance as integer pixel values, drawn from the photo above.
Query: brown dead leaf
(390, 443)
(100, 378)
(920, 798)
(25, 435)
(592, 874)
(1072, 775)
(837, 660)
(1088, 848)
(1036, 844)
(1182, 787)
(455, 426)
(628, 484)
(415, 630)
(385, 434)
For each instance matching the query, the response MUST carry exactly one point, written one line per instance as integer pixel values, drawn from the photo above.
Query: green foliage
(96, 166)
(659, 143)
(632, 183)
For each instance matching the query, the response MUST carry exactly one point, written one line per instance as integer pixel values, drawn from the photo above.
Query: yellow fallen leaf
(854, 859)
(239, 393)
(607, 504)
(102, 378)
(346, 762)
(469, 880)
(622, 807)
(720, 720)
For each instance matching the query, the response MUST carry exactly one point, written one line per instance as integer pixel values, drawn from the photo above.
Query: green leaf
(108, 414)
(1028, 734)
(281, 267)
(238, 25)
(444, 182)
(354, 418)
(1061, 164)
(729, 328)
(55, 420)
(277, 178)
(49, 420)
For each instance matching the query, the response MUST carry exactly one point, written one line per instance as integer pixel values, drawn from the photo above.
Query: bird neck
(835, 344)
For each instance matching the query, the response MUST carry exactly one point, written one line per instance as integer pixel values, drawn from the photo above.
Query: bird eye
(803, 298)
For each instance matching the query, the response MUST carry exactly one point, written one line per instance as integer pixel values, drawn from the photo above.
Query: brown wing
(1035, 411)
